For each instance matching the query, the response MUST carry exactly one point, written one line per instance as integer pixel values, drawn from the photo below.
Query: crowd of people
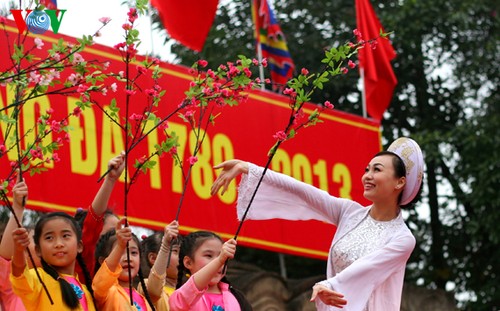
(93, 261)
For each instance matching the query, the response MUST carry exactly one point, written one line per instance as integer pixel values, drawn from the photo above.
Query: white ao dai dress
(367, 258)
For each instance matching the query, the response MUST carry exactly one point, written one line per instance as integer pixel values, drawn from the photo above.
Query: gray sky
(82, 18)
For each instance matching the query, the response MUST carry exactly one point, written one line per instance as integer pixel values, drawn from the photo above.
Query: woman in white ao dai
(368, 254)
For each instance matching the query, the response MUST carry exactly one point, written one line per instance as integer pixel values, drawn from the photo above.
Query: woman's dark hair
(103, 249)
(69, 296)
(400, 171)
(190, 243)
(397, 162)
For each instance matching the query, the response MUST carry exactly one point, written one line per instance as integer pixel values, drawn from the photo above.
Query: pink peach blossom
(192, 160)
(39, 43)
(104, 20)
(280, 135)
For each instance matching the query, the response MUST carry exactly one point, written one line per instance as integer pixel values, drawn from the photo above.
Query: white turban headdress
(411, 155)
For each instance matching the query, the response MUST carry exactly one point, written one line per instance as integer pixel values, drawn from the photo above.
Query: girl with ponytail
(58, 242)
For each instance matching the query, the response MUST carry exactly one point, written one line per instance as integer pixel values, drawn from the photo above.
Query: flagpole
(261, 67)
(255, 17)
(150, 15)
(363, 91)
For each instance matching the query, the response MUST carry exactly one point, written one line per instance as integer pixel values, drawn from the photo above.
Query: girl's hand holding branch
(21, 242)
(117, 165)
(123, 234)
(20, 193)
(171, 232)
(228, 251)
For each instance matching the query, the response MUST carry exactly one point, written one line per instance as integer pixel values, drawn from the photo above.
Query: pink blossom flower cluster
(136, 117)
(36, 153)
(359, 38)
(192, 160)
(280, 135)
(104, 20)
(132, 15)
(129, 49)
(38, 43)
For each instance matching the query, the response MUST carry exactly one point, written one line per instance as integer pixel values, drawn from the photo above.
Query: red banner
(331, 155)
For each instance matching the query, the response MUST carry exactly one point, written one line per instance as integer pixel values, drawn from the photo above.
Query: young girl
(58, 242)
(203, 255)
(162, 279)
(111, 282)
(8, 299)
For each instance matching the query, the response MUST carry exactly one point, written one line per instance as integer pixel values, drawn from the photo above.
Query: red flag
(187, 21)
(379, 79)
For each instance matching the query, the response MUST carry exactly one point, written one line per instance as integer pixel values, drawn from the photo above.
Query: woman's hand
(328, 296)
(230, 170)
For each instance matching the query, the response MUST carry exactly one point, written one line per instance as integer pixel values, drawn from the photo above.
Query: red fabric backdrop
(331, 155)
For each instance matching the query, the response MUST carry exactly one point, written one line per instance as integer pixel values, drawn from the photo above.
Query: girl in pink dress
(202, 256)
